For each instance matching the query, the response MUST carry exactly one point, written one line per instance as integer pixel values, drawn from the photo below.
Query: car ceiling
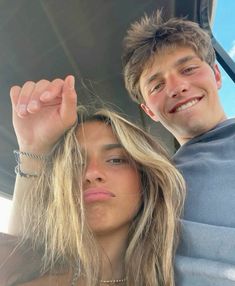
(53, 38)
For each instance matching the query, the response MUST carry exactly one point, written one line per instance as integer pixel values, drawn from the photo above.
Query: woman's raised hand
(42, 112)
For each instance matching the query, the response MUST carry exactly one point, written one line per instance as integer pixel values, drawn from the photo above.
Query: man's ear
(149, 112)
(217, 76)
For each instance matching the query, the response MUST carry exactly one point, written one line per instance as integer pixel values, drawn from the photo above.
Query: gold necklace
(113, 281)
(76, 276)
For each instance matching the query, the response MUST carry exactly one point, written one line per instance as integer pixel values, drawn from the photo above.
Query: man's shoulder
(220, 134)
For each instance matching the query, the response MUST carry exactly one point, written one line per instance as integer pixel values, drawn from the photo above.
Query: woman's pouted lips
(97, 194)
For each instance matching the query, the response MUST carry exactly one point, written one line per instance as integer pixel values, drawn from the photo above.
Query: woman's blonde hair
(54, 210)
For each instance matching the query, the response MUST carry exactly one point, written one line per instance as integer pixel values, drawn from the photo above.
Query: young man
(170, 70)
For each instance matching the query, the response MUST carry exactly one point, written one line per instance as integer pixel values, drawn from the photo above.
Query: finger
(34, 102)
(24, 98)
(53, 90)
(14, 95)
(69, 101)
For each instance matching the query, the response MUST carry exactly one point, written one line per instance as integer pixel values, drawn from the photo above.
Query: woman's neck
(113, 248)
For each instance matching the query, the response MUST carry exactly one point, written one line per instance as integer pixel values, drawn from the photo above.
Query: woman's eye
(117, 161)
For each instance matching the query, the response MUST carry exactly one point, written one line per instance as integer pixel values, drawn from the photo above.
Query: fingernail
(45, 95)
(33, 104)
(22, 109)
(71, 82)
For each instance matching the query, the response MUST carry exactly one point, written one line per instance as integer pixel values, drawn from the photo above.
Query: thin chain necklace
(114, 281)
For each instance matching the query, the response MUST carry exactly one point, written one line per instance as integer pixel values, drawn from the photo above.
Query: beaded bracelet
(29, 155)
(22, 174)
(18, 170)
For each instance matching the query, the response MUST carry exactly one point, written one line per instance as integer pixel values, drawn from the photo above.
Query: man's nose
(176, 85)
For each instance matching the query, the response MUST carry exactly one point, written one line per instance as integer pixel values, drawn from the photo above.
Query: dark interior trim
(222, 56)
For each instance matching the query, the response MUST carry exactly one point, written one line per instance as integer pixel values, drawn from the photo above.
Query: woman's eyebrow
(105, 147)
(111, 146)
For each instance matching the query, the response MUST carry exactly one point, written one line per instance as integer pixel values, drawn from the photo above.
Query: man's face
(181, 91)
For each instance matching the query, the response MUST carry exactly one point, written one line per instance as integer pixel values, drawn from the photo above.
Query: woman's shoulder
(50, 280)
(20, 265)
(18, 262)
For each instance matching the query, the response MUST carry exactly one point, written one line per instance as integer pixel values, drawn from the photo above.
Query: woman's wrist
(31, 149)
(29, 164)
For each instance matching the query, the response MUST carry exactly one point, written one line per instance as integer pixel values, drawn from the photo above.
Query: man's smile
(185, 104)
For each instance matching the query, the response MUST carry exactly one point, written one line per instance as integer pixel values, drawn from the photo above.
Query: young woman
(102, 204)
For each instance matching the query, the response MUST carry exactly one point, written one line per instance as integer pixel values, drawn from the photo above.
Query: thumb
(68, 110)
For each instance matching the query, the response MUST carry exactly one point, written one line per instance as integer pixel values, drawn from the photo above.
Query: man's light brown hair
(150, 36)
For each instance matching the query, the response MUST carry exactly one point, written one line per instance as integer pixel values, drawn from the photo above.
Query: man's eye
(157, 87)
(189, 70)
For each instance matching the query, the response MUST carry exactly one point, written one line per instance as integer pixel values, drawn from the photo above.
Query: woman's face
(112, 187)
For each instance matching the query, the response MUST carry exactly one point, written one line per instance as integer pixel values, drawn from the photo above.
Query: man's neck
(184, 139)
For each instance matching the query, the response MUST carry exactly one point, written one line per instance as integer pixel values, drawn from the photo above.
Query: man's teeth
(186, 105)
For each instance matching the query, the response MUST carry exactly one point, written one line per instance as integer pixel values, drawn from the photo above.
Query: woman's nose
(94, 172)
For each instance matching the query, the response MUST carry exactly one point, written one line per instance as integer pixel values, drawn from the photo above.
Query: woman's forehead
(93, 131)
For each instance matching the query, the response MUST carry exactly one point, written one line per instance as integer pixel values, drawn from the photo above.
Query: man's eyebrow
(177, 63)
(184, 60)
(152, 78)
